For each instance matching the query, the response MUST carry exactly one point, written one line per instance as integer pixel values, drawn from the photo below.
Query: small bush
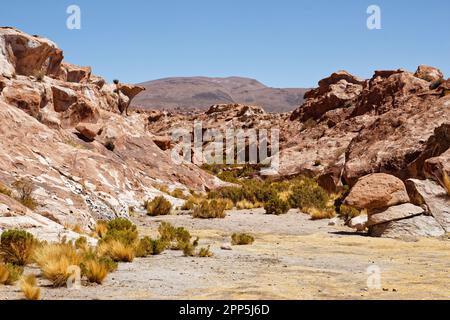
(56, 262)
(242, 239)
(308, 124)
(117, 251)
(25, 188)
(210, 210)
(189, 248)
(10, 273)
(29, 288)
(144, 247)
(276, 206)
(16, 246)
(95, 271)
(308, 194)
(122, 230)
(188, 205)
(205, 252)
(158, 207)
(178, 193)
(109, 263)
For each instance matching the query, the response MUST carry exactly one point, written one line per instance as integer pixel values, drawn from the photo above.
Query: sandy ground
(292, 258)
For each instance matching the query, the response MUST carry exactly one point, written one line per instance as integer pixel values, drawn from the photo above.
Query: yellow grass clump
(319, 214)
(101, 228)
(95, 271)
(57, 261)
(117, 251)
(245, 204)
(29, 288)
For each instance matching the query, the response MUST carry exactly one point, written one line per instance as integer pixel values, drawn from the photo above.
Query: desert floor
(292, 258)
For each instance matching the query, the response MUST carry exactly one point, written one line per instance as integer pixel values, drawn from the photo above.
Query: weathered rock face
(22, 54)
(62, 130)
(377, 191)
(434, 197)
(438, 169)
(418, 226)
(394, 213)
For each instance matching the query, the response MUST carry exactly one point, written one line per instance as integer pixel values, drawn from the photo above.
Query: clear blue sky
(284, 43)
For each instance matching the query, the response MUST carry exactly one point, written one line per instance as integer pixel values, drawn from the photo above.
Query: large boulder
(74, 73)
(418, 226)
(394, 213)
(434, 197)
(377, 191)
(428, 73)
(63, 98)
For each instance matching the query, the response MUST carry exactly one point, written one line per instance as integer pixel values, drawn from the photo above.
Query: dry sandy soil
(292, 258)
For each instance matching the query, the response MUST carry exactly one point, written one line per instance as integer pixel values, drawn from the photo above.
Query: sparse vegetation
(242, 239)
(276, 206)
(178, 193)
(210, 210)
(308, 124)
(158, 207)
(101, 228)
(81, 243)
(29, 288)
(16, 246)
(25, 188)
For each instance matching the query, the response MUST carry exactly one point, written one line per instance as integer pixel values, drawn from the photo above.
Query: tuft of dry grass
(29, 288)
(9, 273)
(210, 210)
(57, 261)
(4, 190)
(245, 204)
(101, 228)
(95, 271)
(205, 252)
(240, 239)
(446, 181)
(117, 251)
(319, 214)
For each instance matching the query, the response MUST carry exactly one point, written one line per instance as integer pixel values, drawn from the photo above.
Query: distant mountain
(202, 92)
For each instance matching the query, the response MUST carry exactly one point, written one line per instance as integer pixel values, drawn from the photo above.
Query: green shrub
(10, 273)
(122, 230)
(144, 248)
(276, 206)
(158, 207)
(17, 246)
(308, 194)
(210, 210)
(188, 205)
(242, 239)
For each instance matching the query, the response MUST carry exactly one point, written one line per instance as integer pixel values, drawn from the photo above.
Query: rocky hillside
(202, 92)
(396, 123)
(62, 132)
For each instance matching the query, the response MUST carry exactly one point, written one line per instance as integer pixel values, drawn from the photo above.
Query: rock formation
(61, 128)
